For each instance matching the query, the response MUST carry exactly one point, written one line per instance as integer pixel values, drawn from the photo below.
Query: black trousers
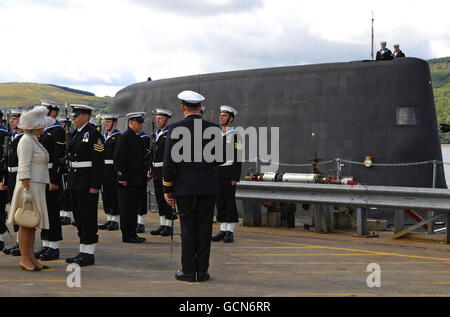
(164, 209)
(3, 213)
(12, 177)
(54, 232)
(110, 198)
(129, 200)
(85, 212)
(196, 219)
(66, 201)
(226, 202)
(143, 202)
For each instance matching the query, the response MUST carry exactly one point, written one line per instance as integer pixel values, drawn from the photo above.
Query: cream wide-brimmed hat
(35, 119)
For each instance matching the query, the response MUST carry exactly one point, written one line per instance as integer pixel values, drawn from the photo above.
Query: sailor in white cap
(384, 54)
(398, 52)
(165, 211)
(229, 175)
(13, 165)
(194, 186)
(3, 187)
(54, 141)
(85, 179)
(129, 161)
(109, 188)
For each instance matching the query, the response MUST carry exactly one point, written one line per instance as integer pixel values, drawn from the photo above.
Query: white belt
(13, 169)
(227, 164)
(109, 162)
(50, 165)
(158, 164)
(80, 164)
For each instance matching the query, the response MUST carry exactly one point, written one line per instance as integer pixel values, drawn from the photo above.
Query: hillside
(24, 95)
(440, 73)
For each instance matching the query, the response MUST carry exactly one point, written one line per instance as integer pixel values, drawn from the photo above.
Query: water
(446, 158)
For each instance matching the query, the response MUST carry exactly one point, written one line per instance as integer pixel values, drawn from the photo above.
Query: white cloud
(104, 45)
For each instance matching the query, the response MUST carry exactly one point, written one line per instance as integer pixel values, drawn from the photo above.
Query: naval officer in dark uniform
(384, 54)
(166, 215)
(132, 176)
(194, 185)
(3, 186)
(66, 202)
(109, 189)
(54, 141)
(85, 179)
(398, 52)
(229, 175)
(13, 166)
(143, 199)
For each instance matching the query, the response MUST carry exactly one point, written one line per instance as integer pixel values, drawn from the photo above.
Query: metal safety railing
(358, 196)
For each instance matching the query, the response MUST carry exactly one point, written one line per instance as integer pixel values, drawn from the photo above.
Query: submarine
(382, 110)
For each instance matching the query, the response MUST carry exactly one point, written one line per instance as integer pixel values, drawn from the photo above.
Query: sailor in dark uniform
(193, 184)
(85, 179)
(384, 54)
(3, 187)
(13, 166)
(143, 199)
(229, 176)
(132, 176)
(166, 215)
(54, 141)
(109, 189)
(398, 52)
(66, 203)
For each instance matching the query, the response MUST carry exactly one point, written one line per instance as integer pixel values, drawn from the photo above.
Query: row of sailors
(109, 163)
(385, 54)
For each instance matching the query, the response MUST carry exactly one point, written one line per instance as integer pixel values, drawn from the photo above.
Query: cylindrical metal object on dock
(300, 178)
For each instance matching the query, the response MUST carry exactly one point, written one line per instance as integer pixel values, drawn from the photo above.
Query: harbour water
(446, 158)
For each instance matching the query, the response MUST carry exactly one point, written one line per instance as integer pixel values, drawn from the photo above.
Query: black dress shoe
(74, 223)
(229, 237)
(157, 232)
(85, 260)
(8, 250)
(219, 236)
(179, 275)
(202, 277)
(168, 231)
(105, 226)
(50, 255)
(38, 254)
(2, 245)
(135, 239)
(76, 257)
(15, 251)
(113, 226)
(140, 228)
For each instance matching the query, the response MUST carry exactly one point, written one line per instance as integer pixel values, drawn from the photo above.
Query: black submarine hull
(341, 110)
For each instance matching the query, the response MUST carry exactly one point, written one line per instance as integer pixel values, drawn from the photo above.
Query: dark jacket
(110, 172)
(386, 56)
(129, 159)
(232, 168)
(159, 144)
(86, 146)
(54, 141)
(13, 159)
(399, 54)
(189, 178)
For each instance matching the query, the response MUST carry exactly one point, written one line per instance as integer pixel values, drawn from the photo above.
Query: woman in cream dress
(33, 174)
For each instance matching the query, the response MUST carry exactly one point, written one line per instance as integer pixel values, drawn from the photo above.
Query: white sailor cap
(383, 42)
(77, 109)
(191, 97)
(228, 109)
(137, 116)
(16, 112)
(110, 116)
(396, 45)
(51, 105)
(164, 112)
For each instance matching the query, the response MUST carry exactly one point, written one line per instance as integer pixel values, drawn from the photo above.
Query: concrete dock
(262, 262)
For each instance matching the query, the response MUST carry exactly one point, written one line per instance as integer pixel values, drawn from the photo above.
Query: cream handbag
(27, 216)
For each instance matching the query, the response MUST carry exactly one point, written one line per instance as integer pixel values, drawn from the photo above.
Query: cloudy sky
(105, 45)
